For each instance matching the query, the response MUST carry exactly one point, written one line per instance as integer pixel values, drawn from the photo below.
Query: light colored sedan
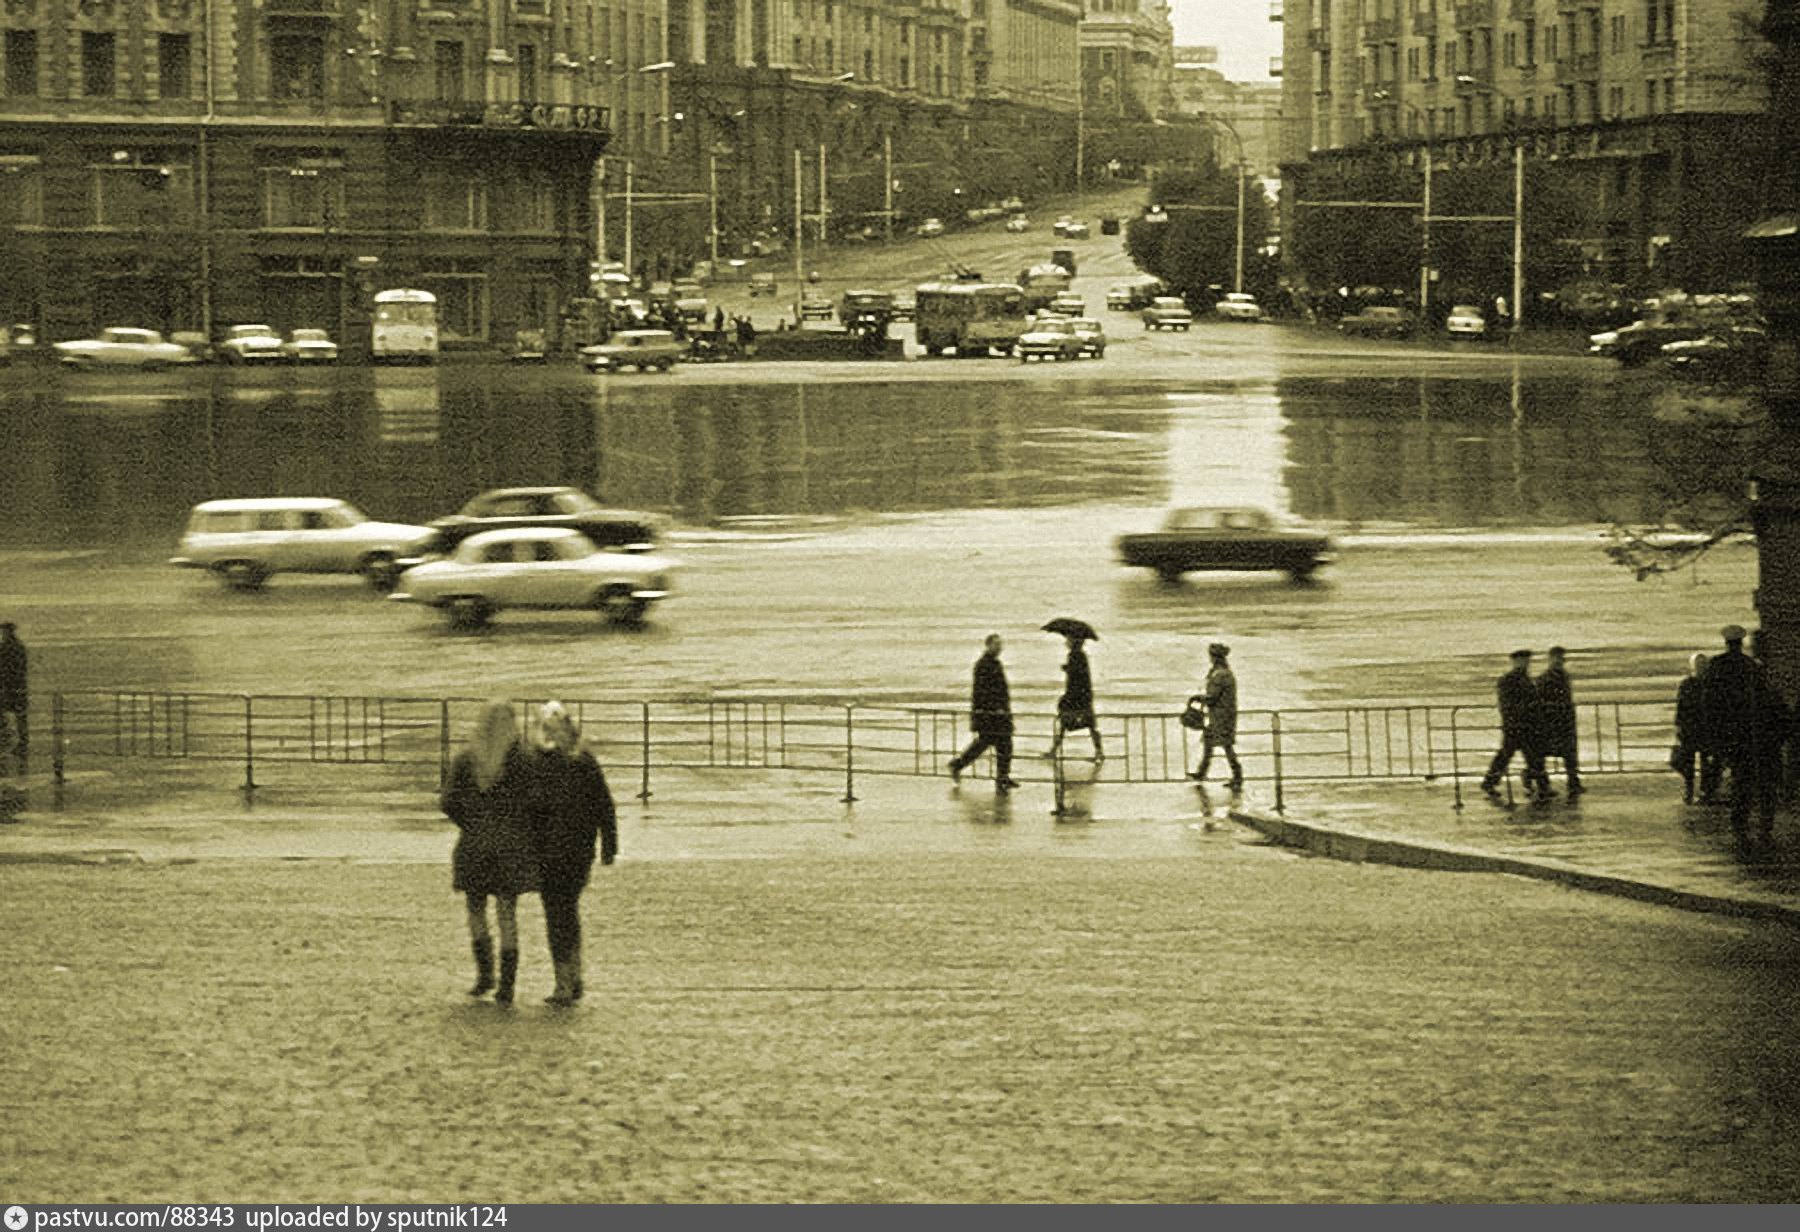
(251, 344)
(1238, 306)
(1466, 321)
(123, 348)
(309, 346)
(1092, 335)
(1049, 337)
(536, 567)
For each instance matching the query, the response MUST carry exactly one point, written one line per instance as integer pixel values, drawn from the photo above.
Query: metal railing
(642, 738)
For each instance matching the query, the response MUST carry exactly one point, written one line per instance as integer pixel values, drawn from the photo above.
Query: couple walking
(990, 710)
(528, 820)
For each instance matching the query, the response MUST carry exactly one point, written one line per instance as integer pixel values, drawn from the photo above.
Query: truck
(974, 318)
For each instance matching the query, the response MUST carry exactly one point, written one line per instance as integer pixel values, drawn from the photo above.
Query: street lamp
(615, 72)
(1228, 126)
(1518, 214)
(1424, 204)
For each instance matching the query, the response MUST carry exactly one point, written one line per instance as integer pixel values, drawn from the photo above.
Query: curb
(1357, 847)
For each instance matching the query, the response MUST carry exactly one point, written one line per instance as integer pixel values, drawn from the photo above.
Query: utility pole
(887, 183)
(630, 269)
(1080, 130)
(600, 209)
(799, 227)
(712, 199)
(1425, 244)
(824, 207)
(1518, 300)
(1238, 281)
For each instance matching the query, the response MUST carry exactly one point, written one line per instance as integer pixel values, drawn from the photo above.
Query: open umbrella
(1068, 626)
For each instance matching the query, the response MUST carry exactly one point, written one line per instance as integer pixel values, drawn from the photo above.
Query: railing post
(849, 754)
(56, 749)
(1455, 754)
(644, 728)
(443, 743)
(1275, 732)
(1056, 778)
(249, 747)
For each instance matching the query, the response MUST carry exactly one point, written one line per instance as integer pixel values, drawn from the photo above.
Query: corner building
(190, 164)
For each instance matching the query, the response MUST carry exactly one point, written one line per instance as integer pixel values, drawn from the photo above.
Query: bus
(977, 318)
(406, 328)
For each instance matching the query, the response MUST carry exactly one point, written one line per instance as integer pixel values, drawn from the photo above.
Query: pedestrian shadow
(978, 803)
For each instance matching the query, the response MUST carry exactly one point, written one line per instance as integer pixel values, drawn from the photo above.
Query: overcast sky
(1240, 29)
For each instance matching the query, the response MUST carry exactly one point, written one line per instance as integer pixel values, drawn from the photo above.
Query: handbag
(1193, 715)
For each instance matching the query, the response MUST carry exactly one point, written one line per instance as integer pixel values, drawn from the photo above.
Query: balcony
(527, 117)
(1425, 23)
(1471, 13)
(1381, 30)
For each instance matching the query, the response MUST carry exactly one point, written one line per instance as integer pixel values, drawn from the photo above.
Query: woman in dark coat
(487, 796)
(1075, 708)
(571, 805)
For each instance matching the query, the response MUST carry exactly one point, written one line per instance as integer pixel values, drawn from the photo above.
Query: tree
(1194, 249)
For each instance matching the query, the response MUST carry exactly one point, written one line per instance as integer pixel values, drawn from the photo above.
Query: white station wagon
(246, 542)
(540, 567)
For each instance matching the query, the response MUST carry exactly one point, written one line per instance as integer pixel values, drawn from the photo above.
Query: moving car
(1075, 231)
(122, 348)
(816, 305)
(1067, 304)
(1239, 306)
(762, 284)
(564, 508)
(251, 344)
(1196, 539)
(643, 349)
(536, 567)
(1167, 312)
(690, 300)
(866, 309)
(309, 346)
(1466, 321)
(1642, 341)
(246, 542)
(1378, 322)
(1134, 293)
(1092, 335)
(1732, 354)
(931, 227)
(1049, 337)
(1018, 224)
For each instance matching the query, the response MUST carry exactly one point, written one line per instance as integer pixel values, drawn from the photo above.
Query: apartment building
(1648, 107)
(1127, 59)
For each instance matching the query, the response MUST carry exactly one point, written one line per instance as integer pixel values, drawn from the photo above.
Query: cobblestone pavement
(966, 1020)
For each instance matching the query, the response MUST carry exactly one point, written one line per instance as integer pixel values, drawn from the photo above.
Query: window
(173, 59)
(96, 64)
(1653, 22)
(461, 289)
(1615, 102)
(454, 203)
(1509, 48)
(868, 68)
(21, 191)
(1431, 61)
(297, 67)
(528, 79)
(1412, 63)
(1550, 51)
(1650, 97)
(906, 72)
(1530, 33)
(1618, 33)
(21, 63)
(146, 187)
(449, 71)
(830, 57)
(303, 189)
(533, 205)
(1668, 94)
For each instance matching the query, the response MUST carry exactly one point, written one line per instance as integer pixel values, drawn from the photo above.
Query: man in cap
(1220, 696)
(1519, 730)
(990, 716)
(1746, 724)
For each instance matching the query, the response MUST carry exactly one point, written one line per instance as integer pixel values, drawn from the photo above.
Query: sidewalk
(1629, 834)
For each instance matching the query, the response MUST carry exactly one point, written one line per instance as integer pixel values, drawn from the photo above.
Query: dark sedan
(1642, 341)
(548, 506)
(1192, 540)
(1379, 322)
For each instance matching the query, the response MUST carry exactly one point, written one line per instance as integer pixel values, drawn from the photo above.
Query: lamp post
(1518, 215)
(1424, 204)
(1237, 282)
(614, 73)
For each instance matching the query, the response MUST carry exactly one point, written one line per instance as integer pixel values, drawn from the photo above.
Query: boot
(509, 973)
(575, 985)
(484, 967)
(564, 994)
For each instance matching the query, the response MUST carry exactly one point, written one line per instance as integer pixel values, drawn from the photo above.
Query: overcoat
(1221, 706)
(494, 853)
(1518, 706)
(1556, 710)
(571, 806)
(990, 701)
(1075, 708)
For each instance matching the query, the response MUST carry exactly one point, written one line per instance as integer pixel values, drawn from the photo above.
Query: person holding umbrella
(1075, 708)
(990, 717)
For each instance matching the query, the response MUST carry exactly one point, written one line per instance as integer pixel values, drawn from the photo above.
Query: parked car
(1133, 294)
(1643, 340)
(1092, 335)
(1192, 540)
(1049, 337)
(246, 542)
(931, 227)
(1466, 321)
(198, 346)
(563, 508)
(1735, 353)
(1018, 224)
(1012, 205)
(309, 346)
(1379, 322)
(1075, 231)
(1067, 304)
(643, 349)
(866, 310)
(119, 347)
(536, 567)
(816, 305)
(1109, 225)
(1239, 306)
(690, 300)
(1168, 312)
(762, 284)
(251, 344)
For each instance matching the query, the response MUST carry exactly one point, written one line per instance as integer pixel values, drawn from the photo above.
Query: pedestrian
(1737, 700)
(571, 807)
(719, 320)
(1220, 696)
(15, 693)
(488, 797)
(990, 718)
(1518, 730)
(1556, 719)
(1690, 736)
(1075, 708)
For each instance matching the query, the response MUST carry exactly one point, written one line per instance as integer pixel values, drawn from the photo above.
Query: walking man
(1518, 730)
(990, 717)
(15, 693)
(1738, 702)
(1220, 696)
(1556, 715)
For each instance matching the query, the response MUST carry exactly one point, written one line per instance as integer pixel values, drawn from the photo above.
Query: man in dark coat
(1556, 717)
(1519, 731)
(1739, 707)
(1221, 717)
(990, 717)
(15, 693)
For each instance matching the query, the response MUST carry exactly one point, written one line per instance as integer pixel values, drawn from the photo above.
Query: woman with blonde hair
(571, 805)
(487, 797)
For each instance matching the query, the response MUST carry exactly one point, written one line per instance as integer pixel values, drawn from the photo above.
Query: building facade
(1641, 111)
(187, 164)
(1127, 59)
(1251, 109)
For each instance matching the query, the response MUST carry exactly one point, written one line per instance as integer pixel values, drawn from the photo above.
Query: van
(246, 542)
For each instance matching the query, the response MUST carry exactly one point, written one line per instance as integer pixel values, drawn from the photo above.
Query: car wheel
(1303, 573)
(616, 604)
(468, 612)
(381, 571)
(1169, 576)
(243, 575)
